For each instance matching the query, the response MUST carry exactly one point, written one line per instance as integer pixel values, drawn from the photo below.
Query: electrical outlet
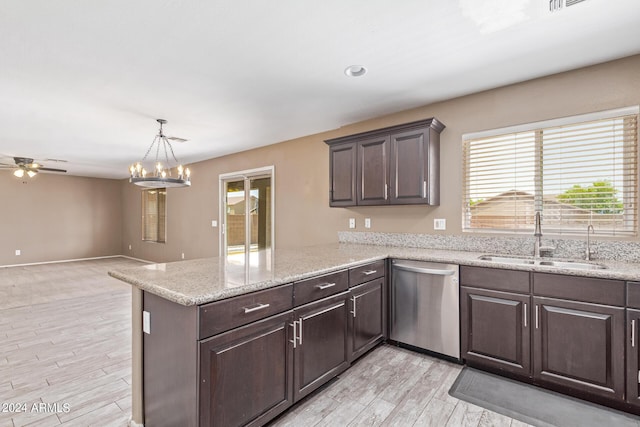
(352, 223)
(18, 252)
(214, 223)
(129, 247)
(440, 224)
(367, 223)
(146, 322)
(182, 255)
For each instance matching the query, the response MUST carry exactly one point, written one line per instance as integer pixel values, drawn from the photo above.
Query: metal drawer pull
(424, 189)
(370, 272)
(300, 332)
(295, 339)
(525, 314)
(633, 333)
(537, 317)
(255, 308)
(325, 286)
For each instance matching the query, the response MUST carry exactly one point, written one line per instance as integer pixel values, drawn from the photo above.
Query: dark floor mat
(534, 405)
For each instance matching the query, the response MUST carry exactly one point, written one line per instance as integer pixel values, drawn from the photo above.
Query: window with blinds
(154, 204)
(576, 171)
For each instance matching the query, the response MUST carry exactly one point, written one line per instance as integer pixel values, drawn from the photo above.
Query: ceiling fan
(26, 166)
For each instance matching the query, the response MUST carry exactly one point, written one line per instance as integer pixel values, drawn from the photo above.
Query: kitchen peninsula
(194, 324)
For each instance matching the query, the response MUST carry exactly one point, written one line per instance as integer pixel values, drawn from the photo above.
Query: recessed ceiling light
(355, 70)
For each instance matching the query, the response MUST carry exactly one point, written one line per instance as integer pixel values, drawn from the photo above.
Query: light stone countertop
(200, 281)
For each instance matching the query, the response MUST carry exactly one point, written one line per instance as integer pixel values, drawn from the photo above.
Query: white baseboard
(75, 260)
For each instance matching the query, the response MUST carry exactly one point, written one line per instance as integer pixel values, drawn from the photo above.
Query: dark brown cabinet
(373, 171)
(367, 316)
(342, 169)
(579, 346)
(231, 394)
(320, 342)
(395, 165)
(496, 331)
(633, 358)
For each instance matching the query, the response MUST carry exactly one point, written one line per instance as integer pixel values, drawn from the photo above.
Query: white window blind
(577, 171)
(154, 215)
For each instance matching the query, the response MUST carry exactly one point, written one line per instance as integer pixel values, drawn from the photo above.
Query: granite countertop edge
(194, 274)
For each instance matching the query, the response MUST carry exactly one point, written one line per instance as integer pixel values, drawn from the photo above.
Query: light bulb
(159, 167)
(144, 172)
(19, 173)
(138, 167)
(180, 170)
(32, 173)
(164, 174)
(132, 169)
(187, 172)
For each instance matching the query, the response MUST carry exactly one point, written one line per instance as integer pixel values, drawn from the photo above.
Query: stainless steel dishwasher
(425, 309)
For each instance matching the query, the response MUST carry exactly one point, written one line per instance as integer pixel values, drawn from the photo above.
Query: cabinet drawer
(364, 273)
(587, 289)
(633, 294)
(227, 314)
(319, 287)
(495, 278)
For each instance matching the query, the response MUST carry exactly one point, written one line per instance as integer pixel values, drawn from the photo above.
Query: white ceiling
(84, 80)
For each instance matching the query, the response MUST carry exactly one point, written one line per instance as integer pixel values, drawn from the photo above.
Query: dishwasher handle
(422, 270)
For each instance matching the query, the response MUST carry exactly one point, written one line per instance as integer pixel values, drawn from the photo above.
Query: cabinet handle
(424, 189)
(353, 299)
(257, 307)
(300, 332)
(295, 339)
(537, 324)
(633, 333)
(524, 314)
(325, 286)
(369, 272)
(386, 191)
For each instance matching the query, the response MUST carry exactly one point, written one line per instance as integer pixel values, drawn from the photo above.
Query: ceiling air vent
(556, 5)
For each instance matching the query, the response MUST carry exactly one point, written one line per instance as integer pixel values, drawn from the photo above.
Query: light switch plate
(18, 252)
(439, 224)
(367, 223)
(352, 223)
(214, 223)
(146, 322)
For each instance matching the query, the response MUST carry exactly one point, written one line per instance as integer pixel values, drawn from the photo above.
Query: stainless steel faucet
(588, 252)
(537, 233)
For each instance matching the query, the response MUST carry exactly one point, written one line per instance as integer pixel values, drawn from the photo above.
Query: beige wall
(303, 217)
(57, 217)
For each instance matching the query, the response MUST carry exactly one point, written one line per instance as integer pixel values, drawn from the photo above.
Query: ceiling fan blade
(50, 169)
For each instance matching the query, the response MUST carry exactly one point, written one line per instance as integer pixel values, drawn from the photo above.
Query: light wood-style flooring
(65, 338)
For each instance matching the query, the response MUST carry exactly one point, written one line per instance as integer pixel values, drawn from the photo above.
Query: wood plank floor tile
(493, 419)
(436, 413)
(465, 415)
(374, 414)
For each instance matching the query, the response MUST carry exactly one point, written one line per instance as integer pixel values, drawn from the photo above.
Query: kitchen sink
(574, 265)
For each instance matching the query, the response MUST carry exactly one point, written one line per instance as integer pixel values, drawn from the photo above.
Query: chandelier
(160, 175)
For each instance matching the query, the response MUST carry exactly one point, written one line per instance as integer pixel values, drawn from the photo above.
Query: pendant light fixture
(159, 175)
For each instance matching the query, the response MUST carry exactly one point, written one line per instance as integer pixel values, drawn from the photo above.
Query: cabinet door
(342, 172)
(633, 358)
(409, 174)
(373, 171)
(579, 347)
(321, 343)
(246, 374)
(367, 316)
(496, 330)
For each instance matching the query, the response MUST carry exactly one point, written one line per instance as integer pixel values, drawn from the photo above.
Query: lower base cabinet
(633, 359)
(231, 394)
(367, 317)
(321, 343)
(579, 346)
(495, 330)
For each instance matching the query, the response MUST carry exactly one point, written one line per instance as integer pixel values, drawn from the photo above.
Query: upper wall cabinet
(398, 165)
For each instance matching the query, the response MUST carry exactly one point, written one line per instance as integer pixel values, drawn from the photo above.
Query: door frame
(222, 215)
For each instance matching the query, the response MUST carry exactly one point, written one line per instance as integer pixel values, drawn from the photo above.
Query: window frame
(161, 216)
(629, 191)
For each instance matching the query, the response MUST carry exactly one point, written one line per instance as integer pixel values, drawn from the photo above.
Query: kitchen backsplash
(523, 246)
